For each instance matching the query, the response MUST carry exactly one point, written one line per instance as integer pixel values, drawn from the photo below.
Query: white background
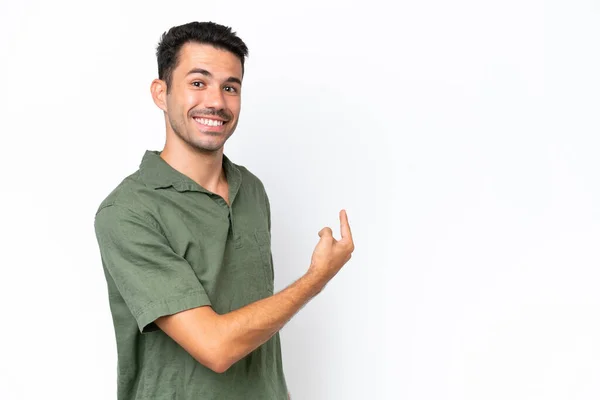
(462, 138)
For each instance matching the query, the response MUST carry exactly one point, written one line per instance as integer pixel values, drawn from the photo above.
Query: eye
(231, 89)
(198, 84)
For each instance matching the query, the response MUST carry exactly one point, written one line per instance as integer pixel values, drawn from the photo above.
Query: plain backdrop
(461, 137)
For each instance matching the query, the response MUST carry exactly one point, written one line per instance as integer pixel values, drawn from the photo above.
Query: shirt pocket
(263, 239)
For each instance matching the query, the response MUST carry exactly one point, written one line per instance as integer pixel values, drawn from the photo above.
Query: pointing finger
(345, 226)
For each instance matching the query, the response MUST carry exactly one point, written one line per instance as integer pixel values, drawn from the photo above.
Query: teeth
(209, 122)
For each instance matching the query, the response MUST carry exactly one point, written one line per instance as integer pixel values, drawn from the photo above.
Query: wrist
(315, 280)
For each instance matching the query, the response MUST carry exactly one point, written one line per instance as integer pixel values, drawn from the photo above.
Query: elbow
(214, 350)
(220, 364)
(220, 367)
(219, 360)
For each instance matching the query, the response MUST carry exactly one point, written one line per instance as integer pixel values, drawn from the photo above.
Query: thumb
(325, 232)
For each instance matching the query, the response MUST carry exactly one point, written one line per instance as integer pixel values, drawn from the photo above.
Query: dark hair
(219, 36)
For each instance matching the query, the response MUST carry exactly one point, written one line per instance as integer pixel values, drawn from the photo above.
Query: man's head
(200, 71)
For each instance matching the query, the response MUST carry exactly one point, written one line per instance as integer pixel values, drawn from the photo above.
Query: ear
(158, 88)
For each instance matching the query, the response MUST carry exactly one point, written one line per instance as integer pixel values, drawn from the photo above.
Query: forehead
(220, 63)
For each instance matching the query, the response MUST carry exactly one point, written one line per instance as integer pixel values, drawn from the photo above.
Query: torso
(210, 256)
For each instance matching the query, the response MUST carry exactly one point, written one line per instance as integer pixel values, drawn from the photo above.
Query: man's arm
(219, 341)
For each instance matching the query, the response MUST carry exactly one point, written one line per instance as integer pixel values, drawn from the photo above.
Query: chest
(227, 246)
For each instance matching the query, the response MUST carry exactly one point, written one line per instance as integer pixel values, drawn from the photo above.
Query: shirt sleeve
(152, 279)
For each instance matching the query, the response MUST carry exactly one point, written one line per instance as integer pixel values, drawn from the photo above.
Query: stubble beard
(195, 142)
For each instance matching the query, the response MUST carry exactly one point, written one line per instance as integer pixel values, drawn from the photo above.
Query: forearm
(243, 330)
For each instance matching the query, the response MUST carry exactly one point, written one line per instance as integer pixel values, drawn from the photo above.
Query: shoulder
(250, 179)
(131, 195)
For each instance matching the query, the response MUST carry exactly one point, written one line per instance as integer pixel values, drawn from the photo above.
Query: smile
(209, 122)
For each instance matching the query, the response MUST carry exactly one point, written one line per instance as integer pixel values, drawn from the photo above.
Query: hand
(330, 255)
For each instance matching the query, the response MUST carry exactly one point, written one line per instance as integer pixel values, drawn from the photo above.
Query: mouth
(211, 124)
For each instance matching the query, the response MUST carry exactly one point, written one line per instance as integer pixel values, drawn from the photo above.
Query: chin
(207, 146)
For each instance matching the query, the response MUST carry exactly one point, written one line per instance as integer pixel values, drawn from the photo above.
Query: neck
(205, 168)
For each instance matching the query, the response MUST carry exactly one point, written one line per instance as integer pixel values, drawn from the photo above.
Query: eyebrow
(209, 75)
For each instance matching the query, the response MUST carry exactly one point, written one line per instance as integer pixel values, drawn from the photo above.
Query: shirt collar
(156, 173)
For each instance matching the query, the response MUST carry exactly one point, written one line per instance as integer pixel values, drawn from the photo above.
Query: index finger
(345, 226)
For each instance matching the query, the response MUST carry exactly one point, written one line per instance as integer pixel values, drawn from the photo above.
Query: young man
(185, 243)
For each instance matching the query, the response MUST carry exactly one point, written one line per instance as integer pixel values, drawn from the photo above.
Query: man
(186, 247)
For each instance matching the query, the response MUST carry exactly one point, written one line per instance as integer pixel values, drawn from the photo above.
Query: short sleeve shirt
(167, 245)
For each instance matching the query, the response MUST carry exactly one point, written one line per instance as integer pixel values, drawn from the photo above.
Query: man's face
(204, 99)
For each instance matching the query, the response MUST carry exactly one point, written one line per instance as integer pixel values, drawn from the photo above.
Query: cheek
(191, 100)
(178, 102)
(182, 101)
(234, 105)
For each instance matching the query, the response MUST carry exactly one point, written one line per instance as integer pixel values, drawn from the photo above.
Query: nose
(214, 98)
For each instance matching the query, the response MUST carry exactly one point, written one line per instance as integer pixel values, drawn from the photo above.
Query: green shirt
(168, 245)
